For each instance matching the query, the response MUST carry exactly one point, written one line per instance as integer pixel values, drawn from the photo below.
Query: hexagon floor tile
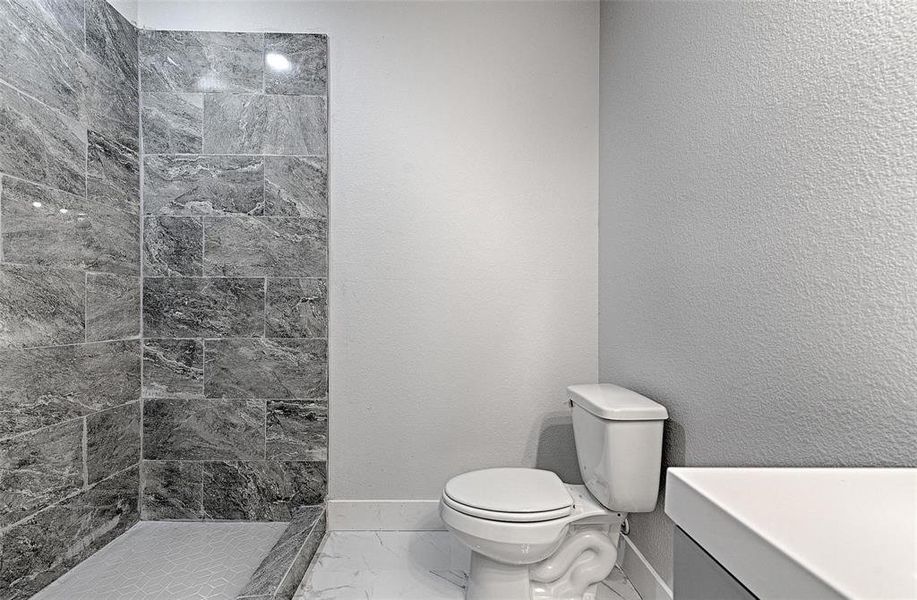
(170, 561)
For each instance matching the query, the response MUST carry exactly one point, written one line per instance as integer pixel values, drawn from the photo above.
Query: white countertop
(795, 533)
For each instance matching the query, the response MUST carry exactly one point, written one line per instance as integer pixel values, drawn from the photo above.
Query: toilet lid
(509, 494)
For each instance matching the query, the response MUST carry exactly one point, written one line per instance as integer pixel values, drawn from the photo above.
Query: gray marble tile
(234, 123)
(43, 226)
(188, 307)
(111, 39)
(111, 104)
(39, 58)
(296, 308)
(40, 306)
(203, 429)
(173, 246)
(296, 125)
(172, 123)
(295, 63)
(67, 17)
(265, 247)
(203, 185)
(171, 490)
(173, 368)
(38, 551)
(261, 490)
(295, 186)
(297, 429)
(112, 307)
(42, 386)
(40, 144)
(294, 576)
(289, 557)
(39, 468)
(112, 441)
(113, 174)
(265, 368)
(196, 61)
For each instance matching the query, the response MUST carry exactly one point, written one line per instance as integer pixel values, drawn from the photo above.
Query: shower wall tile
(307, 56)
(111, 104)
(296, 308)
(297, 429)
(40, 306)
(113, 173)
(172, 490)
(40, 144)
(38, 551)
(296, 125)
(43, 386)
(262, 490)
(173, 368)
(43, 226)
(265, 246)
(111, 39)
(112, 307)
(172, 123)
(265, 368)
(173, 246)
(39, 468)
(203, 185)
(192, 61)
(203, 429)
(65, 17)
(112, 441)
(186, 307)
(234, 123)
(295, 186)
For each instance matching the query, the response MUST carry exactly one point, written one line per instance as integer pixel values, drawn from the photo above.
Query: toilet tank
(618, 436)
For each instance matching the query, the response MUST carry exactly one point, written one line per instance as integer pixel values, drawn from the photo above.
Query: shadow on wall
(556, 448)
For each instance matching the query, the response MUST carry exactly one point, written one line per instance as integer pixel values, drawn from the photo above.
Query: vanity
(793, 533)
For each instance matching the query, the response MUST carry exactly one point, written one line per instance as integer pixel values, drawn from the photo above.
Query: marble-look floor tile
(265, 368)
(172, 490)
(40, 550)
(43, 386)
(203, 429)
(296, 308)
(172, 123)
(40, 306)
(40, 144)
(203, 185)
(305, 68)
(43, 226)
(40, 468)
(173, 368)
(173, 246)
(196, 61)
(112, 307)
(265, 247)
(296, 125)
(295, 186)
(234, 123)
(111, 39)
(112, 441)
(186, 307)
(297, 429)
(261, 490)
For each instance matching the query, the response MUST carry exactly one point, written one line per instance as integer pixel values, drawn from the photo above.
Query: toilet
(533, 537)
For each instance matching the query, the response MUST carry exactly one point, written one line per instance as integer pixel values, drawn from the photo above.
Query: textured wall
(234, 274)
(69, 286)
(758, 236)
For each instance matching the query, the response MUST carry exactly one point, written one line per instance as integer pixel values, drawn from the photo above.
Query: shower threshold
(166, 560)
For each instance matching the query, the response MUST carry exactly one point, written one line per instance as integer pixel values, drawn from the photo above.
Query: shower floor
(169, 560)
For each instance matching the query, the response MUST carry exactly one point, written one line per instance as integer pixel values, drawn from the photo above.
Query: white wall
(463, 241)
(758, 259)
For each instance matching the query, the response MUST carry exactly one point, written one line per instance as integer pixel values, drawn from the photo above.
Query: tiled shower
(163, 285)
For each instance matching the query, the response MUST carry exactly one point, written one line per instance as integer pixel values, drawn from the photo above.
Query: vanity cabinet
(698, 576)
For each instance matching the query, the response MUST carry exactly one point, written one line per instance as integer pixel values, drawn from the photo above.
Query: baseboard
(642, 575)
(384, 515)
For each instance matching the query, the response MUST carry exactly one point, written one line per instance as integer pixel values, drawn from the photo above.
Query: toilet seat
(513, 495)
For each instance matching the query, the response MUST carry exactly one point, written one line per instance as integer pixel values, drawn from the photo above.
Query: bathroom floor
(170, 560)
(402, 565)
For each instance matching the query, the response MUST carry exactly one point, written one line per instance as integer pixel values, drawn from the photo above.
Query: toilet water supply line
(591, 568)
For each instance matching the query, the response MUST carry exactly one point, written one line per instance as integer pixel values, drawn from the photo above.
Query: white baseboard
(642, 575)
(384, 515)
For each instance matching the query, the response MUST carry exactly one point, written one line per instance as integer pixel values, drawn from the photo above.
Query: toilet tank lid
(612, 402)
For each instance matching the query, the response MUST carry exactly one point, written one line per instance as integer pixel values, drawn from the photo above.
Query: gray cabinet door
(699, 577)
